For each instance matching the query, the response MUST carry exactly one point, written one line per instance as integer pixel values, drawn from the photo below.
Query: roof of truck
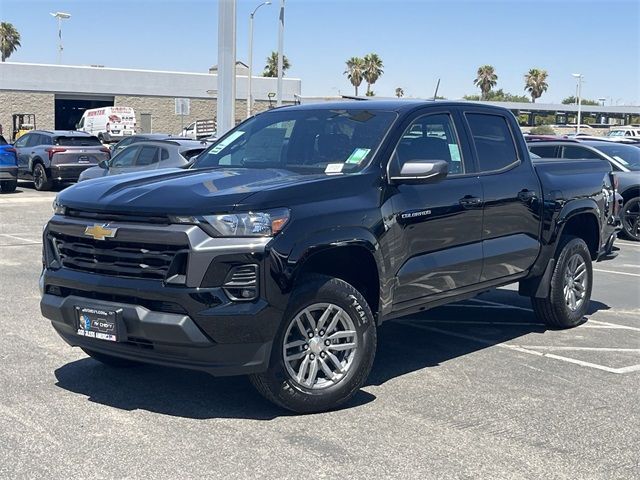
(402, 105)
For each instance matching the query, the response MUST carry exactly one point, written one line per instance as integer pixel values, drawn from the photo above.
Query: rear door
(441, 223)
(511, 189)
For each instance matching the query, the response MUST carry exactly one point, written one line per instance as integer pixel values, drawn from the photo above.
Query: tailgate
(78, 156)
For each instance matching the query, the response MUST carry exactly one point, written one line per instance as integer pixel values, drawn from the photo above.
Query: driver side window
(125, 158)
(22, 141)
(431, 137)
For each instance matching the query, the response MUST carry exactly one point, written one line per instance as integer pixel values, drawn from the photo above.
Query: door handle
(526, 195)
(469, 201)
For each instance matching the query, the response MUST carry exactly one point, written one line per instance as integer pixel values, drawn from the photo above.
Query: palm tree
(271, 68)
(9, 40)
(486, 80)
(355, 71)
(535, 82)
(399, 92)
(373, 69)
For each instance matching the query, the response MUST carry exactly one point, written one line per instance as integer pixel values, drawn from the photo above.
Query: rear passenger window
(579, 152)
(147, 156)
(544, 152)
(431, 137)
(165, 154)
(493, 140)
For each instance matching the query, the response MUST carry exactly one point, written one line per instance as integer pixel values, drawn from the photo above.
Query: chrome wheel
(631, 218)
(575, 282)
(319, 346)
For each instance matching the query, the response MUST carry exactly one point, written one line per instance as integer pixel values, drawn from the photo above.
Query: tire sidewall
(324, 290)
(624, 225)
(571, 247)
(44, 178)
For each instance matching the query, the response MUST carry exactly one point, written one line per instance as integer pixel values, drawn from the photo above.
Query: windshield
(627, 155)
(306, 141)
(616, 133)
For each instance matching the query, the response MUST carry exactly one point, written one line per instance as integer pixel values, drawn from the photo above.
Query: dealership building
(59, 94)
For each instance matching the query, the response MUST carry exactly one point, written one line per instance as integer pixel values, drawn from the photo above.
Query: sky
(419, 41)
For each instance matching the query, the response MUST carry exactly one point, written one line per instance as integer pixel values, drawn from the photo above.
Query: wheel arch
(584, 224)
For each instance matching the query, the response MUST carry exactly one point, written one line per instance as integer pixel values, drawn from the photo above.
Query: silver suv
(48, 157)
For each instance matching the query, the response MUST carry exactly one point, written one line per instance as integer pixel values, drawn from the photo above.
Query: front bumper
(9, 173)
(193, 325)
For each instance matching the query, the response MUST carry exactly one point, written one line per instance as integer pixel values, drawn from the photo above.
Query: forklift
(23, 123)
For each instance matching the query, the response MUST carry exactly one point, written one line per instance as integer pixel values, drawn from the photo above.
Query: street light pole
(249, 80)
(280, 54)
(60, 16)
(578, 76)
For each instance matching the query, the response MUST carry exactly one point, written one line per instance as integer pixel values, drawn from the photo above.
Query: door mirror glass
(422, 171)
(104, 164)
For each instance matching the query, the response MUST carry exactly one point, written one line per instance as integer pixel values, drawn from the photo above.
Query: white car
(109, 124)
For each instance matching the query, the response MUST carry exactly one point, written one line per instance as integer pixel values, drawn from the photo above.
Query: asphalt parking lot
(475, 390)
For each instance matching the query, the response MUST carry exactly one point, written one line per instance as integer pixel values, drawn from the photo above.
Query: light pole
(249, 92)
(578, 77)
(60, 16)
(280, 54)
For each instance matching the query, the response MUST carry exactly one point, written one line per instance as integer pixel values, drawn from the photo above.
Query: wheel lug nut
(305, 346)
(312, 356)
(327, 342)
(310, 334)
(322, 355)
(321, 333)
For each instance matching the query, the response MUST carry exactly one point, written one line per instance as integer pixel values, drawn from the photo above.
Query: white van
(109, 124)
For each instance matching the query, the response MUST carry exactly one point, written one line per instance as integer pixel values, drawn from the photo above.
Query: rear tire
(115, 362)
(570, 289)
(631, 219)
(329, 337)
(41, 180)
(8, 186)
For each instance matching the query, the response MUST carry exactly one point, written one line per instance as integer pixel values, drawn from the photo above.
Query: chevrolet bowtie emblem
(100, 232)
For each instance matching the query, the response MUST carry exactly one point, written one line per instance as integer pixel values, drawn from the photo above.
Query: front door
(23, 152)
(439, 224)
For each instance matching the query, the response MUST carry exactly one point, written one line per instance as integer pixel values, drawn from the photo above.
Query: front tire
(631, 219)
(41, 180)
(324, 349)
(115, 362)
(8, 186)
(570, 289)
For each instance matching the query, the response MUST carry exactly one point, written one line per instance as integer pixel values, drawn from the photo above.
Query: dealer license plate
(97, 323)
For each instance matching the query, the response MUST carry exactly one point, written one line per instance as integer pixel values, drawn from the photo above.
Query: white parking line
(600, 324)
(15, 201)
(528, 351)
(21, 239)
(617, 273)
(630, 244)
(580, 349)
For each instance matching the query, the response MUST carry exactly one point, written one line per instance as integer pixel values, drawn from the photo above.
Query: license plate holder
(99, 323)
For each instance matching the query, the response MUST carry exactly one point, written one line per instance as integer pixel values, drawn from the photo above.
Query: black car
(147, 155)
(625, 162)
(294, 236)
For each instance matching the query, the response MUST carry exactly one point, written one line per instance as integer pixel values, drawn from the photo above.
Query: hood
(178, 191)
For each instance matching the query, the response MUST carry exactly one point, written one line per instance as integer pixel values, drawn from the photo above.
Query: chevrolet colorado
(295, 235)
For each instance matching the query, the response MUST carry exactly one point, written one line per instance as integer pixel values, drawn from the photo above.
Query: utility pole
(578, 76)
(250, 78)
(60, 16)
(280, 54)
(226, 86)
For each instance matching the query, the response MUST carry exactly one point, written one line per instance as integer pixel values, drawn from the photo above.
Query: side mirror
(104, 164)
(422, 171)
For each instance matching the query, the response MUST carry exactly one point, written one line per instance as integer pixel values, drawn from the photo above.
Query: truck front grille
(116, 258)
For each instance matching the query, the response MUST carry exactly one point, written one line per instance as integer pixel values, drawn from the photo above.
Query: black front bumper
(191, 328)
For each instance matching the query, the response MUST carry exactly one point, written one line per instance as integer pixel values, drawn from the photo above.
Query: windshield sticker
(454, 151)
(358, 155)
(621, 160)
(334, 168)
(226, 142)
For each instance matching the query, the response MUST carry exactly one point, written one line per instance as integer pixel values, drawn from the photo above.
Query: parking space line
(617, 273)
(580, 349)
(630, 244)
(528, 351)
(21, 239)
(600, 324)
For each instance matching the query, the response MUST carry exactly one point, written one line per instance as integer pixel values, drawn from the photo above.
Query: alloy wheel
(575, 282)
(319, 346)
(631, 218)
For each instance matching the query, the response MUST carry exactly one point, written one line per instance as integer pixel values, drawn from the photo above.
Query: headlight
(251, 224)
(57, 208)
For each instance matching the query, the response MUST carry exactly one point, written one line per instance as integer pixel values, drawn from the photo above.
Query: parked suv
(8, 167)
(294, 236)
(48, 157)
(625, 162)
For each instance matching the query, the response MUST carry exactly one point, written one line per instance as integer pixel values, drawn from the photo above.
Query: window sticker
(226, 142)
(358, 155)
(334, 168)
(454, 151)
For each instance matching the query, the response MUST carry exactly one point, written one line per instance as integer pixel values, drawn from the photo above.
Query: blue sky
(419, 41)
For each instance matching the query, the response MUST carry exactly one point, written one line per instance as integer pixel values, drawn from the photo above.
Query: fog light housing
(241, 283)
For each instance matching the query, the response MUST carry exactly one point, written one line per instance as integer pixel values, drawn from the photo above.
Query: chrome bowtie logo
(100, 232)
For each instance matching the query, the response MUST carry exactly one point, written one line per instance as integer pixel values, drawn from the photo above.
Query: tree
(486, 79)
(542, 130)
(373, 69)
(271, 68)
(536, 83)
(355, 71)
(574, 101)
(500, 96)
(9, 40)
(399, 92)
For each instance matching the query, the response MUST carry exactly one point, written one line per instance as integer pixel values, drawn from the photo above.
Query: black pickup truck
(295, 235)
